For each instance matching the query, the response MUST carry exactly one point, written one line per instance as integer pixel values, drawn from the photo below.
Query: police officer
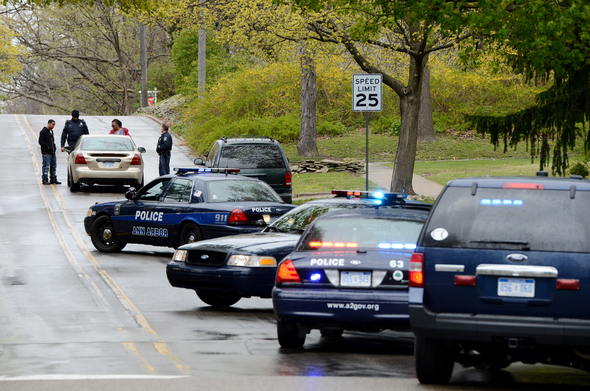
(163, 149)
(73, 129)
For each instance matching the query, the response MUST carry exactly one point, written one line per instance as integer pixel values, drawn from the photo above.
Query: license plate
(516, 287)
(355, 279)
(108, 164)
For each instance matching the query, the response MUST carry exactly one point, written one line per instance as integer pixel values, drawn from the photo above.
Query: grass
(453, 155)
(325, 183)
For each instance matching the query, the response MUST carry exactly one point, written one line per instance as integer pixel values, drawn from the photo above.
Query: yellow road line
(121, 296)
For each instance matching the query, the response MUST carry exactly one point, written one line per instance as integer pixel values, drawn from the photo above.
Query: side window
(179, 191)
(211, 155)
(152, 193)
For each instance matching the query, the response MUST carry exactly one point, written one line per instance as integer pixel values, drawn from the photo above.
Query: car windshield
(251, 156)
(111, 143)
(358, 232)
(239, 190)
(299, 218)
(511, 219)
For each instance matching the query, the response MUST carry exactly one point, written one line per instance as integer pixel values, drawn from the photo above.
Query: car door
(170, 211)
(136, 217)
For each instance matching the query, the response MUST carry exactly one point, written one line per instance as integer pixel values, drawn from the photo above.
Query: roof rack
(185, 170)
(247, 137)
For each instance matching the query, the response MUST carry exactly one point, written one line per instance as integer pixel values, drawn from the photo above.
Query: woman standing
(118, 129)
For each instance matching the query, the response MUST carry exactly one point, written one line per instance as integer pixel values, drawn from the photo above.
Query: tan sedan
(105, 160)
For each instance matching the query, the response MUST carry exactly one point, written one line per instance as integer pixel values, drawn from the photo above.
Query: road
(74, 318)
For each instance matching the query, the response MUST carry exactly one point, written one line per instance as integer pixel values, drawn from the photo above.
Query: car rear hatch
(518, 248)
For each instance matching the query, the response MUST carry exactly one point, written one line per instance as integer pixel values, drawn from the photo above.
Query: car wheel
(218, 299)
(74, 187)
(103, 236)
(69, 182)
(331, 333)
(190, 233)
(290, 335)
(434, 361)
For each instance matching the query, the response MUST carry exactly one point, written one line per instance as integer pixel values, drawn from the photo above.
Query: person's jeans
(164, 164)
(49, 166)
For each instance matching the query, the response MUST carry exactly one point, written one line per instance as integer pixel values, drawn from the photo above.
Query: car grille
(206, 258)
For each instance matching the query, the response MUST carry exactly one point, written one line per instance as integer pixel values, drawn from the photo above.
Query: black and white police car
(185, 207)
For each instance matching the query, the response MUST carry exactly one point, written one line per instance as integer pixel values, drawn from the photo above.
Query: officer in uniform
(73, 129)
(163, 149)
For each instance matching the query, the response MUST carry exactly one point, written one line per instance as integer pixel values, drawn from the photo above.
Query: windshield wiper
(496, 243)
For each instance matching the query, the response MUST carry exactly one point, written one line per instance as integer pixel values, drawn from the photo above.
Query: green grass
(326, 182)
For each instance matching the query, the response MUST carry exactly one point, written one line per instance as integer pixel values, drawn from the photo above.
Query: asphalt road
(72, 318)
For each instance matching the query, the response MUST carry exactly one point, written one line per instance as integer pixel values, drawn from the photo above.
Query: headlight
(252, 261)
(90, 212)
(180, 256)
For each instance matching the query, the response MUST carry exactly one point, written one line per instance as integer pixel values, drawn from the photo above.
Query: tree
(545, 40)
(85, 57)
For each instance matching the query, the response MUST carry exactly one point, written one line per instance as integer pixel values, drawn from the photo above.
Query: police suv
(194, 204)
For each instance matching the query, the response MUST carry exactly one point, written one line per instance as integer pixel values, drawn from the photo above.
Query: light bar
(185, 170)
(333, 244)
(375, 195)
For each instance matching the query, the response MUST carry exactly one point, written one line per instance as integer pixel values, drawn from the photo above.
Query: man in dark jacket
(47, 143)
(163, 149)
(73, 129)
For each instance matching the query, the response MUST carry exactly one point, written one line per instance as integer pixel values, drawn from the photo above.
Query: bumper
(346, 309)
(229, 279)
(496, 329)
(85, 175)
(88, 221)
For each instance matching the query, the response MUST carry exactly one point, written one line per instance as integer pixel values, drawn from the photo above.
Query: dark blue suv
(501, 273)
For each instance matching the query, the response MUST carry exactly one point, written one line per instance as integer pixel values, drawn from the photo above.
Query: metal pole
(367, 150)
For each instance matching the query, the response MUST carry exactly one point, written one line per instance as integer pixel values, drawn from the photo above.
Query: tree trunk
(144, 66)
(405, 156)
(425, 122)
(306, 145)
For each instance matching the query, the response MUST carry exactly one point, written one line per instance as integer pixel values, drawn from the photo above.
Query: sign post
(367, 93)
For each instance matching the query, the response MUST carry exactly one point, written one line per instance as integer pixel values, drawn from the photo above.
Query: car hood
(256, 243)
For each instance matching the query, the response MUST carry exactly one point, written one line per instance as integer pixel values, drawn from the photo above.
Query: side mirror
(141, 149)
(198, 161)
(130, 194)
(68, 149)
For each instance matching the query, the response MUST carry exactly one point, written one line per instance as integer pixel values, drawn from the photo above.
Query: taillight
(80, 159)
(573, 285)
(136, 160)
(417, 270)
(237, 216)
(287, 272)
(287, 179)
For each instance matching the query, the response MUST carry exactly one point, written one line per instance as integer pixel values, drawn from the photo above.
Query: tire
(103, 236)
(331, 333)
(290, 335)
(190, 233)
(69, 181)
(434, 361)
(74, 187)
(215, 299)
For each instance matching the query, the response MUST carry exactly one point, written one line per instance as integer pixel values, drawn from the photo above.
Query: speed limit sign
(367, 92)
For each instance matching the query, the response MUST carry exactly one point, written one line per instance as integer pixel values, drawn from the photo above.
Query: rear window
(362, 233)
(511, 219)
(299, 218)
(111, 143)
(251, 156)
(237, 191)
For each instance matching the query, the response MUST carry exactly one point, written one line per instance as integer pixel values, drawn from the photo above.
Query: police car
(349, 271)
(224, 270)
(191, 205)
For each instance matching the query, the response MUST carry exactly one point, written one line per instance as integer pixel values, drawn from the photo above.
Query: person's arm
(168, 143)
(64, 136)
(85, 130)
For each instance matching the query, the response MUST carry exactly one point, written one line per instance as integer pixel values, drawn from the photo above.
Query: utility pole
(202, 55)
(143, 60)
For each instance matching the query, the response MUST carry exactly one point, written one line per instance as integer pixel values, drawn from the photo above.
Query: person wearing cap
(73, 129)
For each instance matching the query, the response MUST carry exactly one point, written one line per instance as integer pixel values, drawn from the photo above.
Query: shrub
(580, 169)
